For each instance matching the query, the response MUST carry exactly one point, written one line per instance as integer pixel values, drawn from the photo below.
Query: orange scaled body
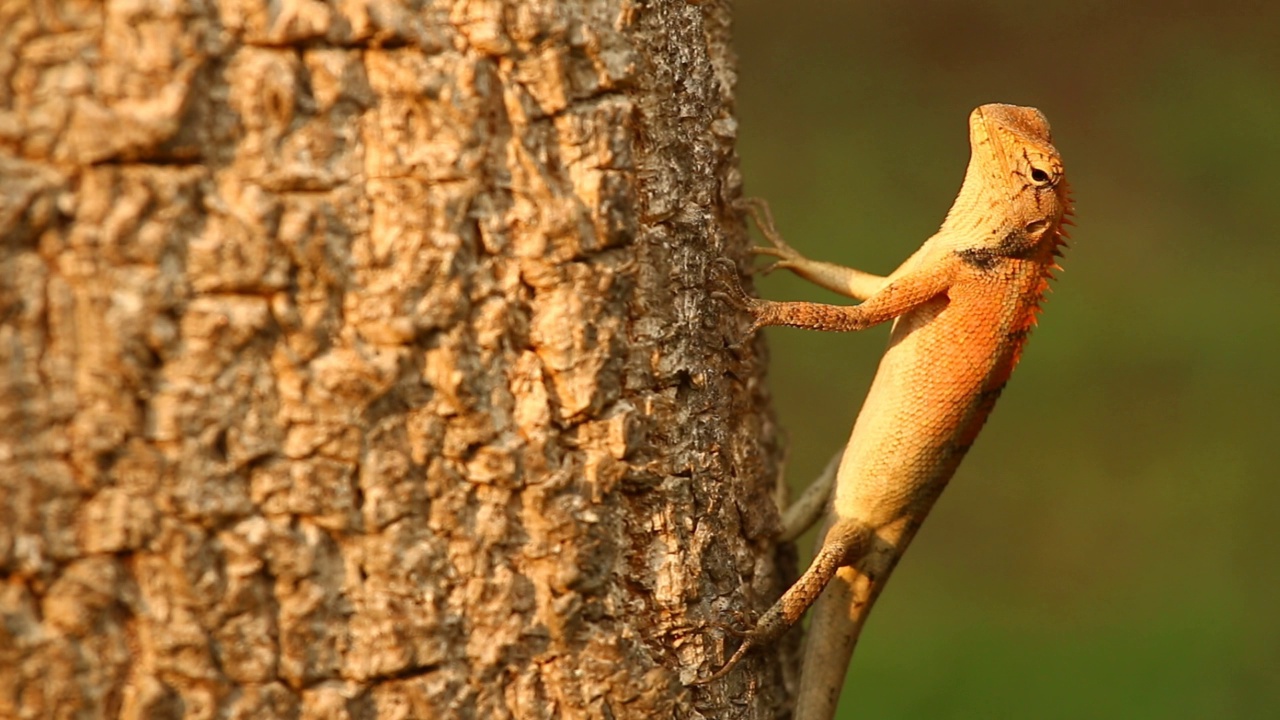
(963, 306)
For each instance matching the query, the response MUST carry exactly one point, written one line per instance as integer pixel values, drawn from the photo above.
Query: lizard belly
(931, 394)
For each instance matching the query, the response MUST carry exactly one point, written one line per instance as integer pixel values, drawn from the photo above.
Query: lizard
(962, 307)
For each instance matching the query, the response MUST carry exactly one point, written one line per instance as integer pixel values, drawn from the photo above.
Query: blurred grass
(1110, 547)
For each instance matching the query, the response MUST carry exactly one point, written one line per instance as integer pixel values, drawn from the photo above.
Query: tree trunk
(357, 360)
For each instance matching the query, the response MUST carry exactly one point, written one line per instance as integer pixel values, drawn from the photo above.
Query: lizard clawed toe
(729, 664)
(759, 211)
(781, 263)
(724, 273)
(735, 628)
(770, 251)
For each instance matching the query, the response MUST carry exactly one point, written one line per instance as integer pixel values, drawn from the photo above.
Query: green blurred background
(1108, 549)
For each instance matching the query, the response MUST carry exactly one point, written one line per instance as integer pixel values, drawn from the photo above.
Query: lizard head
(1015, 194)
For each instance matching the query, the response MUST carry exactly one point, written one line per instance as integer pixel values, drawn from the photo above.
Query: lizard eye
(1041, 177)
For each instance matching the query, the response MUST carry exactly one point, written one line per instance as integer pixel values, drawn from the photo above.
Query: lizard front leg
(895, 298)
(846, 281)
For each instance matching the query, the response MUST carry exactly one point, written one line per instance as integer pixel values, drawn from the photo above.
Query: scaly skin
(962, 307)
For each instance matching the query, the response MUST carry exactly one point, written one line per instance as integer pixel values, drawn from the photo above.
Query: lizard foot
(724, 273)
(729, 665)
(787, 256)
(735, 628)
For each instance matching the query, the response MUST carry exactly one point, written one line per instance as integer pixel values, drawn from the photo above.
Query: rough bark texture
(357, 360)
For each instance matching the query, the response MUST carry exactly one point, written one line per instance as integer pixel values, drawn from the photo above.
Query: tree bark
(359, 361)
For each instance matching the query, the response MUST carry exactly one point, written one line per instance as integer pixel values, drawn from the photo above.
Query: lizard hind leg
(845, 543)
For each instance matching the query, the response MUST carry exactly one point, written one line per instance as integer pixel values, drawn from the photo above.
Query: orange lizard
(962, 307)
